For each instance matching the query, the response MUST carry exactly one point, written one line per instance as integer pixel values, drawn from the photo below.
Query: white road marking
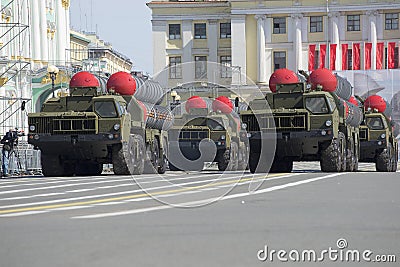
(25, 213)
(156, 208)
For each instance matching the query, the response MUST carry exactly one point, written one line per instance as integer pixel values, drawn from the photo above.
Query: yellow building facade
(257, 37)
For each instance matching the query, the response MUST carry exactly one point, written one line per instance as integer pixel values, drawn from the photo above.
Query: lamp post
(173, 95)
(52, 70)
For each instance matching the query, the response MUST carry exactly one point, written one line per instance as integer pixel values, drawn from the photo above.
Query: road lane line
(156, 208)
(157, 193)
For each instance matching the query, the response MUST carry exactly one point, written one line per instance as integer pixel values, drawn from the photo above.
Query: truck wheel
(254, 167)
(89, 169)
(129, 158)
(234, 157)
(243, 159)
(281, 165)
(223, 160)
(172, 167)
(163, 165)
(384, 160)
(350, 157)
(153, 160)
(51, 165)
(331, 157)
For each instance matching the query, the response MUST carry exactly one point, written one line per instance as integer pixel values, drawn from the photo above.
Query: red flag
(367, 55)
(356, 56)
(311, 57)
(391, 47)
(344, 56)
(332, 56)
(322, 55)
(379, 55)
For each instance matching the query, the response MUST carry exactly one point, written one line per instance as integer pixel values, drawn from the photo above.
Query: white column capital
(334, 14)
(297, 16)
(372, 13)
(260, 17)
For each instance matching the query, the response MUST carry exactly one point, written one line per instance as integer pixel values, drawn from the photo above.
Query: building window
(225, 30)
(200, 31)
(353, 23)
(349, 59)
(226, 62)
(200, 67)
(316, 24)
(391, 21)
(174, 31)
(279, 25)
(175, 68)
(279, 60)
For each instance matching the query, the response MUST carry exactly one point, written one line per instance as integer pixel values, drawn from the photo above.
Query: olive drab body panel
(91, 127)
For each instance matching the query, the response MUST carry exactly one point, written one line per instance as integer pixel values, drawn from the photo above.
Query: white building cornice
(192, 17)
(188, 4)
(312, 9)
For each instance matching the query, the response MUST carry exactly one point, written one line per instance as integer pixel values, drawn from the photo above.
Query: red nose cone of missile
(144, 109)
(325, 78)
(122, 83)
(195, 102)
(223, 104)
(282, 76)
(375, 102)
(354, 101)
(83, 79)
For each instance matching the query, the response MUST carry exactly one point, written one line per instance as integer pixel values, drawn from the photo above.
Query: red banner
(322, 55)
(345, 47)
(379, 55)
(311, 57)
(391, 47)
(332, 56)
(356, 56)
(367, 55)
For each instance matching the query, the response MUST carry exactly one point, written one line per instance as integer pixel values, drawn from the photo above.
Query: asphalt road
(202, 219)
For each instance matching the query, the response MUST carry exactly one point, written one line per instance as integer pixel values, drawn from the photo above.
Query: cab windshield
(375, 123)
(105, 109)
(317, 105)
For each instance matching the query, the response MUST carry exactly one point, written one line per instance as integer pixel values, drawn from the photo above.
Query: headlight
(110, 136)
(244, 126)
(383, 136)
(328, 123)
(32, 128)
(117, 126)
(222, 137)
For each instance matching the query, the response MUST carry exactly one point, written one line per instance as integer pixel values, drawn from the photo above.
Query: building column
(269, 51)
(213, 72)
(261, 56)
(65, 4)
(238, 38)
(60, 33)
(25, 22)
(335, 38)
(298, 47)
(188, 57)
(372, 37)
(159, 31)
(36, 55)
(43, 32)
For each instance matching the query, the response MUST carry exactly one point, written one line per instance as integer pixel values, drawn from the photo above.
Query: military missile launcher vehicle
(79, 133)
(199, 136)
(378, 143)
(311, 121)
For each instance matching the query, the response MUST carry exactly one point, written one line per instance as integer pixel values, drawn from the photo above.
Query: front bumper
(370, 149)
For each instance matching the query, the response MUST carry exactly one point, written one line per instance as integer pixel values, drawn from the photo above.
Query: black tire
(163, 165)
(350, 157)
(384, 161)
(172, 167)
(129, 158)
(234, 157)
(331, 157)
(153, 160)
(281, 165)
(88, 169)
(223, 160)
(51, 165)
(243, 158)
(253, 161)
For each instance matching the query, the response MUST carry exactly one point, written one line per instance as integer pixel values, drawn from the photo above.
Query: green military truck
(200, 136)
(308, 122)
(378, 143)
(79, 133)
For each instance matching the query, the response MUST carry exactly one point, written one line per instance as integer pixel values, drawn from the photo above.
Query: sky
(126, 24)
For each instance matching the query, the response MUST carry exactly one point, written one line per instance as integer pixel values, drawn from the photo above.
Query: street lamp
(52, 70)
(173, 95)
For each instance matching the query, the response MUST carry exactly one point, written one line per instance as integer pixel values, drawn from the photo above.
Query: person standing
(8, 145)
